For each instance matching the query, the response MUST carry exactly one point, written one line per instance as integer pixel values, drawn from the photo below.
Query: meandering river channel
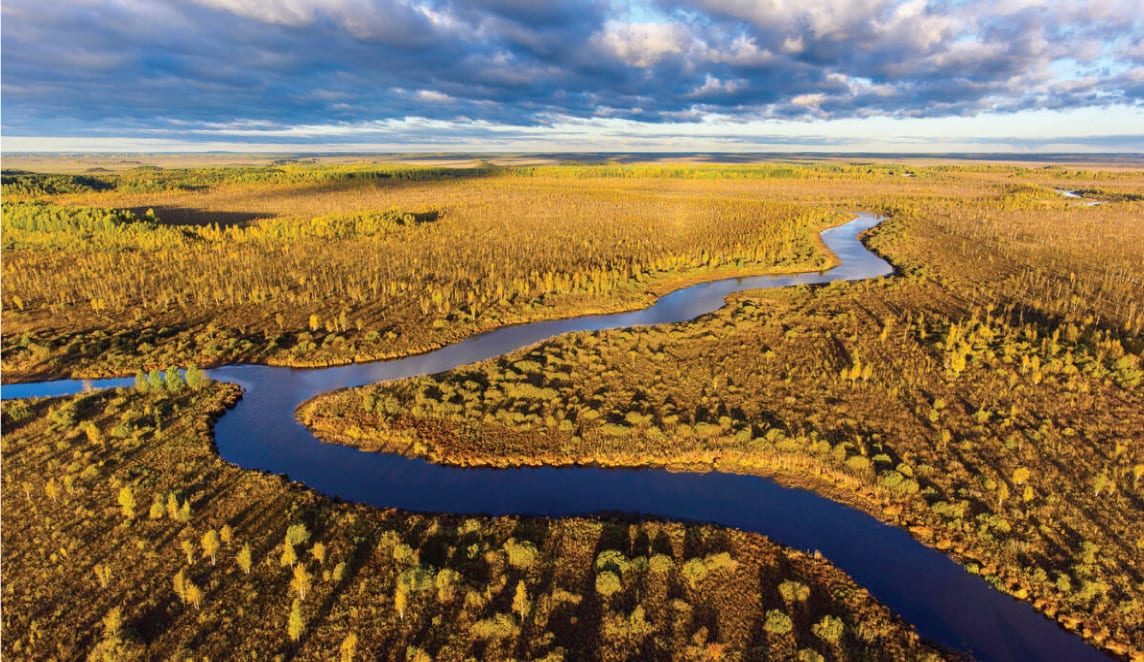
(943, 601)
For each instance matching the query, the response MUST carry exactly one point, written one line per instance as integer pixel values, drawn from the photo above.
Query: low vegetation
(304, 264)
(988, 399)
(323, 266)
(118, 499)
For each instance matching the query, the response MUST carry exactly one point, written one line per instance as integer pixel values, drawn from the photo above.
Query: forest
(986, 398)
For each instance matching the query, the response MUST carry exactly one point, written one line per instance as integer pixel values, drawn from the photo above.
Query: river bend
(943, 601)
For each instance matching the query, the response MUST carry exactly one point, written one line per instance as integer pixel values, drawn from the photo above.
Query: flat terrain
(987, 399)
(316, 266)
(118, 499)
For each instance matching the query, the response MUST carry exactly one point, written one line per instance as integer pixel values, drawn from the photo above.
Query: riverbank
(174, 551)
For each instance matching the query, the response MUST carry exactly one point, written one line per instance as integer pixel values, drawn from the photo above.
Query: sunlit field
(986, 398)
(318, 265)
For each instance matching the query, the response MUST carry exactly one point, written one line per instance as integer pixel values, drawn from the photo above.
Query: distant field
(79, 163)
(321, 264)
(318, 265)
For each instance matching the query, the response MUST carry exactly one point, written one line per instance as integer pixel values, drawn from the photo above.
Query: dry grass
(501, 250)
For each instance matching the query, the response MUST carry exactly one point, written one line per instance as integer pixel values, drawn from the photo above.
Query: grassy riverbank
(126, 537)
(988, 400)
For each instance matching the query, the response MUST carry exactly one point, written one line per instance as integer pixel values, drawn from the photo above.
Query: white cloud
(809, 100)
(821, 17)
(281, 12)
(794, 45)
(387, 20)
(1082, 130)
(713, 86)
(743, 51)
(432, 96)
(642, 44)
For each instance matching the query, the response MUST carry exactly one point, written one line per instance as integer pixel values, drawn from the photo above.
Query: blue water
(944, 602)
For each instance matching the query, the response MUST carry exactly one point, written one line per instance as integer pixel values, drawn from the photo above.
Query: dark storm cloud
(254, 67)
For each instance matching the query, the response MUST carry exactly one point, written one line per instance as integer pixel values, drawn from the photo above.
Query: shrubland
(317, 265)
(126, 537)
(987, 398)
(347, 268)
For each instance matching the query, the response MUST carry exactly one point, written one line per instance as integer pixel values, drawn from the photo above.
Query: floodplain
(986, 398)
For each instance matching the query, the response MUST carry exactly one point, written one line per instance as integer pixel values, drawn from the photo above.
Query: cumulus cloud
(88, 67)
(713, 87)
(393, 21)
(642, 44)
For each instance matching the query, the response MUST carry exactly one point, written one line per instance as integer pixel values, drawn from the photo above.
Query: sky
(1002, 76)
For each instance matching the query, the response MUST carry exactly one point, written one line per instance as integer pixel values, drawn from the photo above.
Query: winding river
(943, 601)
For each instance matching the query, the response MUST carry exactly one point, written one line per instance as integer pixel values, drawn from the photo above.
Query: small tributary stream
(940, 598)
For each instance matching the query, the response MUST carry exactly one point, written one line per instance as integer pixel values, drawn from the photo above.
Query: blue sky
(576, 75)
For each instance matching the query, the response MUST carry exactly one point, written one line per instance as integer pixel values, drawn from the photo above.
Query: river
(940, 598)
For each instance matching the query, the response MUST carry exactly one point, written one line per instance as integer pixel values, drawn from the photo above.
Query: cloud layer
(275, 70)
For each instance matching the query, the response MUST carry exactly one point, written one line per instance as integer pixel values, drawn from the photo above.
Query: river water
(944, 602)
